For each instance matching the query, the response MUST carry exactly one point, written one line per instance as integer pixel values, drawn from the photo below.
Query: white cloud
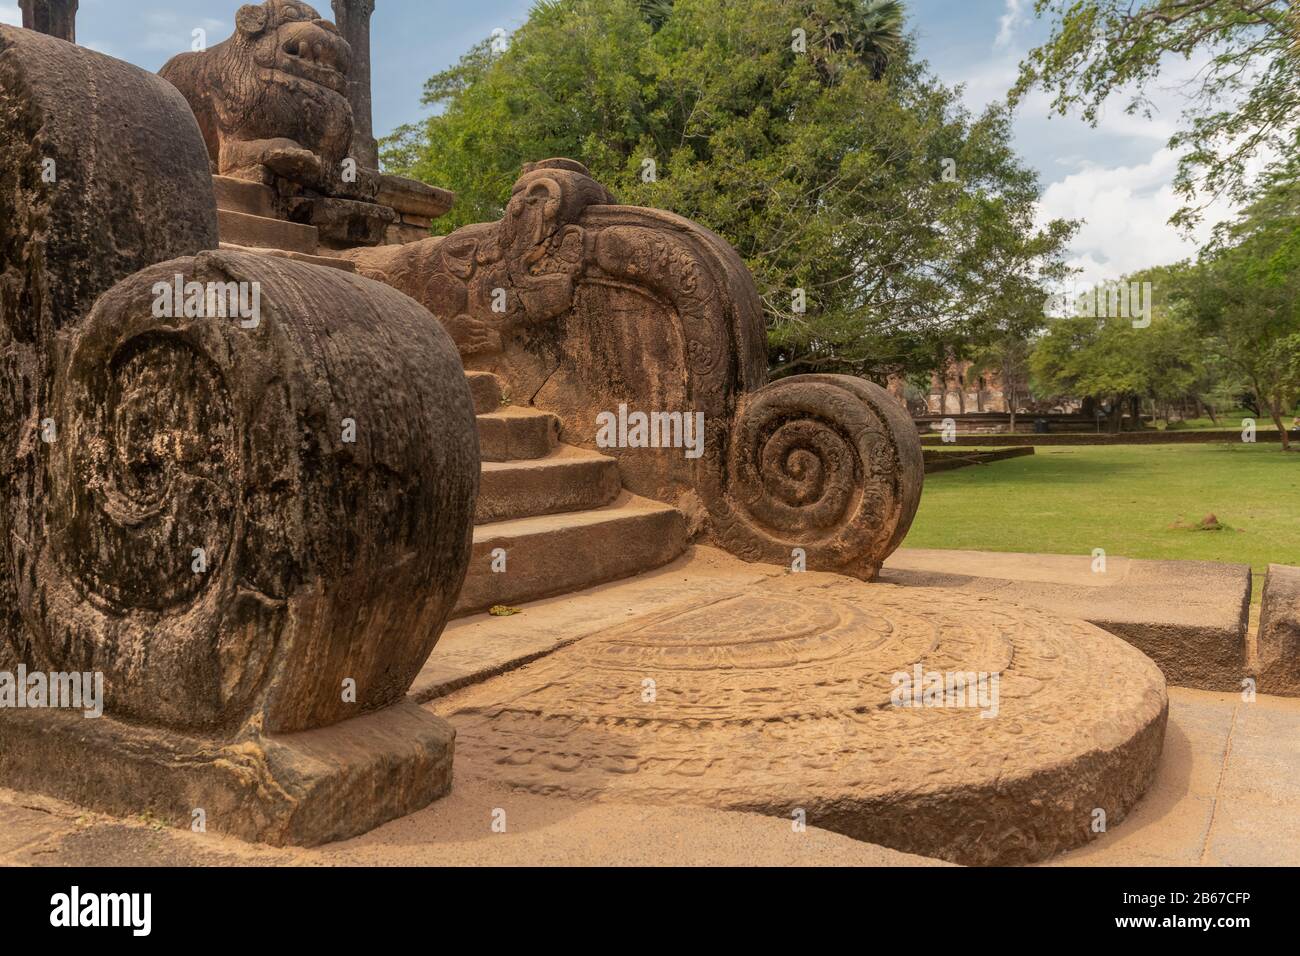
(1117, 176)
(171, 32)
(1126, 212)
(10, 14)
(1009, 22)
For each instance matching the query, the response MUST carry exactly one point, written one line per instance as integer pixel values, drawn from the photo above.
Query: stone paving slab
(1206, 806)
(1190, 617)
(1227, 792)
(456, 831)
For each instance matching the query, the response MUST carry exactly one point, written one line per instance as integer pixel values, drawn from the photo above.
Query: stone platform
(775, 697)
(1225, 794)
(300, 789)
(1190, 617)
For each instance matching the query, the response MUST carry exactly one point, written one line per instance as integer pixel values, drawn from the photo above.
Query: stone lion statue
(273, 95)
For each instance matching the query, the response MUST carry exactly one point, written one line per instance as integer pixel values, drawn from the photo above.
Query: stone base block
(1279, 632)
(344, 222)
(300, 789)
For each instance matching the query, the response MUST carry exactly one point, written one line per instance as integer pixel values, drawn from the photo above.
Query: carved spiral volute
(827, 467)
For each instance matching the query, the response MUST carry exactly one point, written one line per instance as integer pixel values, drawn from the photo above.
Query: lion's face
(289, 37)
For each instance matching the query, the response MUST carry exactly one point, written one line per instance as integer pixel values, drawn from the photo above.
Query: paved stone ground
(1227, 793)
(1227, 790)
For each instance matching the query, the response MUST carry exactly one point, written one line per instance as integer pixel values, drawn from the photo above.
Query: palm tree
(881, 33)
(873, 29)
(655, 12)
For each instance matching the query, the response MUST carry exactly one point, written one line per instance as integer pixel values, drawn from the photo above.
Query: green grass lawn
(1071, 499)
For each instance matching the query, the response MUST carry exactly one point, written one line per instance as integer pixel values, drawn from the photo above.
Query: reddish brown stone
(581, 305)
(274, 94)
(251, 526)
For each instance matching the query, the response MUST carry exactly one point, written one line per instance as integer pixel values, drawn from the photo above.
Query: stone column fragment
(352, 17)
(58, 18)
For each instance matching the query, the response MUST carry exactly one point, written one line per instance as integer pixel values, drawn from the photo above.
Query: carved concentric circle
(792, 698)
(153, 454)
(827, 464)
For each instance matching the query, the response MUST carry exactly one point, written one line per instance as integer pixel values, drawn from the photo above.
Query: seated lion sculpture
(273, 95)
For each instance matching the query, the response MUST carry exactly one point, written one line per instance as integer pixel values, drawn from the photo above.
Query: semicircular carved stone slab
(584, 307)
(792, 699)
(327, 557)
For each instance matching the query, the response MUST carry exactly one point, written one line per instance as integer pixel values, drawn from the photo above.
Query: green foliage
(1112, 358)
(1244, 294)
(1244, 103)
(824, 166)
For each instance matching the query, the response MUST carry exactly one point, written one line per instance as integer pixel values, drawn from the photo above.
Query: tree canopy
(1243, 105)
(1244, 293)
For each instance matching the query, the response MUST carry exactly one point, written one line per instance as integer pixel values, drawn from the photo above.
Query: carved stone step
(262, 232)
(513, 434)
(557, 554)
(240, 195)
(487, 392)
(329, 262)
(569, 479)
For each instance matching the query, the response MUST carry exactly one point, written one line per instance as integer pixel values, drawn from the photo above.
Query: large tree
(1245, 294)
(1120, 360)
(1243, 103)
(883, 223)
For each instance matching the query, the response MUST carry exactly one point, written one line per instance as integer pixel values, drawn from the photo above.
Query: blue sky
(1117, 177)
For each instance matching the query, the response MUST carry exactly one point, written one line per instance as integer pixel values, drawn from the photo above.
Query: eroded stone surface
(326, 559)
(1279, 632)
(586, 308)
(238, 492)
(781, 700)
(84, 202)
(274, 94)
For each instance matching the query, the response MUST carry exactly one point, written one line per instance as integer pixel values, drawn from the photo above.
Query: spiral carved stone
(608, 305)
(325, 559)
(829, 464)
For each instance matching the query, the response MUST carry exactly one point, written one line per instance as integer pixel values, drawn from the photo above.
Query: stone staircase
(557, 514)
(246, 219)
